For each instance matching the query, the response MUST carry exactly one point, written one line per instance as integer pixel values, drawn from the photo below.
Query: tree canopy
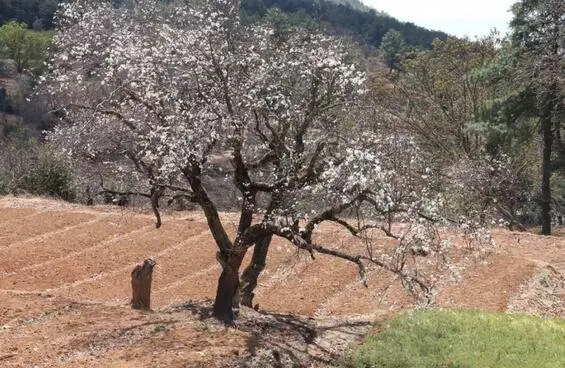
(170, 94)
(538, 38)
(26, 48)
(392, 48)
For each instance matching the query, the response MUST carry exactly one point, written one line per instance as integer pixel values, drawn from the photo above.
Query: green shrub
(28, 166)
(49, 175)
(463, 339)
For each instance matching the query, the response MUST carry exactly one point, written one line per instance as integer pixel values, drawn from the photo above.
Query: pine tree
(392, 49)
(538, 36)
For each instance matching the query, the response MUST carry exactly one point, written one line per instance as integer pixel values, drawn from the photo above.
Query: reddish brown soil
(64, 289)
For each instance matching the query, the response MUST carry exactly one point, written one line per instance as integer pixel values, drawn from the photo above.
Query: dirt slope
(64, 288)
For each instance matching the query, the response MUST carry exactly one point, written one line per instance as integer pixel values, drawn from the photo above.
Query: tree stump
(141, 277)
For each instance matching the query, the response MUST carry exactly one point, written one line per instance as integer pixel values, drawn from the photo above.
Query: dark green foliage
(367, 26)
(528, 76)
(5, 102)
(355, 4)
(37, 14)
(510, 122)
(537, 39)
(393, 49)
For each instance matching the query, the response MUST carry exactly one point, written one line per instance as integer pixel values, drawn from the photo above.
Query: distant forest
(37, 14)
(355, 4)
(366, 26)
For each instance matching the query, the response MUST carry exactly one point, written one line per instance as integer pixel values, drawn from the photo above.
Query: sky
(457, 17)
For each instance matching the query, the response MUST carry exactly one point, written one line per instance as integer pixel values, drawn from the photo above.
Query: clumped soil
(65, 286)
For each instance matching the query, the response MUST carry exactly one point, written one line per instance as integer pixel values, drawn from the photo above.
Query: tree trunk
(547, 133)
(156, 194)
(228, 286)
(252, 272)
(141, 278)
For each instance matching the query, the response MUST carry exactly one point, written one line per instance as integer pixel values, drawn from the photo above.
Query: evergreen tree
(538, 37)
(392, 49)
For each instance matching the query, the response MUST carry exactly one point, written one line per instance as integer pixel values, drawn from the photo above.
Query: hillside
(64, 289)
(355, 4)
(349, 16)
(368, 27)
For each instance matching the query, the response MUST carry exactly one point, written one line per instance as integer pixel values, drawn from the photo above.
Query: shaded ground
(64, 289)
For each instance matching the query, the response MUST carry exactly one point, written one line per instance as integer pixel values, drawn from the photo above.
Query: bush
(463, 339)
(49, 175)
(28, 166)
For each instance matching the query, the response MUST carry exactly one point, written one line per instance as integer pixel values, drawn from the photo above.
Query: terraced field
(64, 290)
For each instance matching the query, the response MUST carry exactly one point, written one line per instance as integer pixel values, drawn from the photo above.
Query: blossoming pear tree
(166, 92)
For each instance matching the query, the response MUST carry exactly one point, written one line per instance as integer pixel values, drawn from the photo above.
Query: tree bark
(141, 278)
(156, 193)
(251, 274)
(228, 286)
(547, 133)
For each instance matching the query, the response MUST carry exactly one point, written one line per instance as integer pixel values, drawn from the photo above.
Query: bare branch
(124, 193)
(113, 113)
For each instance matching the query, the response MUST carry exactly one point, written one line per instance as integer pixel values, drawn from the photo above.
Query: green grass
(463, 339)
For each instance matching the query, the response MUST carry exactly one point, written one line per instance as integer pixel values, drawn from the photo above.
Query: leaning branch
(154, 196)
(329, 214)
(300, 243)
(355, 231)
(360, 260)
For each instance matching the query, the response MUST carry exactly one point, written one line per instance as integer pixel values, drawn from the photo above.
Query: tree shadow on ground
(202, 309)
(288, 340)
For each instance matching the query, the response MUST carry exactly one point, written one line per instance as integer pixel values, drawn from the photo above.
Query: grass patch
(463, 339)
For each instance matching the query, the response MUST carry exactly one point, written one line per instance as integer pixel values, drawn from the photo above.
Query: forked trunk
(253, 271)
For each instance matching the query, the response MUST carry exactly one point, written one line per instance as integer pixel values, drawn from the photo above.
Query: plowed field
(65, 285)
